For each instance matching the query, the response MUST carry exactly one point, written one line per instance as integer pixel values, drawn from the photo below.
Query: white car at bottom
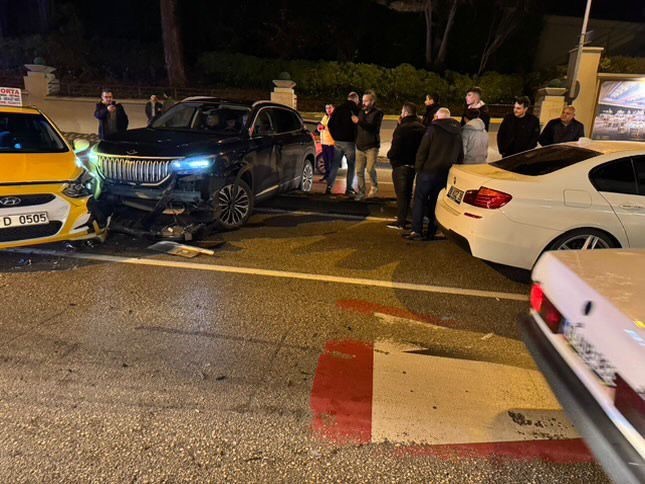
(584, 195)
(586, 331)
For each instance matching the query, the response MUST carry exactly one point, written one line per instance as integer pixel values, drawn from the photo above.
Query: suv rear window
(543, 161)
(28, 133)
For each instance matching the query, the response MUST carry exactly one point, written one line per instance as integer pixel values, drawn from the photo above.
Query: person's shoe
(413, 236)
(373, 191)
(395, 226)
(350, 192)
(359, 196)
(328, 190)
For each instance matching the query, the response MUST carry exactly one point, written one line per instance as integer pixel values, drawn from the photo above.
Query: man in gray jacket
(475, 138)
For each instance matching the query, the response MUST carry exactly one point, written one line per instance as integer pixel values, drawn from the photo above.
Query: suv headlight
(83, 186)
(196, 164)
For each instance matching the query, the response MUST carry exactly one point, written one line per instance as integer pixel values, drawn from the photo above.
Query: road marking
(443, 407)
(426, 399)
(321, 214)
(405, 286)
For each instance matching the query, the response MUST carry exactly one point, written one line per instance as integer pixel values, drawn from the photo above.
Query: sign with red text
(10, 96)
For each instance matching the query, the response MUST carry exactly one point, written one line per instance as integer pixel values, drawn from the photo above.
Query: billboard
(620, 111)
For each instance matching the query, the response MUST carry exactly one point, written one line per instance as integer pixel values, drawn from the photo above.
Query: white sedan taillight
(486, 198)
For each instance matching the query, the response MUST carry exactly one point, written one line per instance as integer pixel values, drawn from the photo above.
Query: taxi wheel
(583, 239)
(235, 205)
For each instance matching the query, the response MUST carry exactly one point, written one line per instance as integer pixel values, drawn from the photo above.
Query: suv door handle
(628, 206)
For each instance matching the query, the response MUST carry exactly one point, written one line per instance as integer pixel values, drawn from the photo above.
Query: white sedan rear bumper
(493, 237)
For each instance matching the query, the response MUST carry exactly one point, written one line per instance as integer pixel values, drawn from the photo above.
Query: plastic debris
(183, 250)
(24, 262)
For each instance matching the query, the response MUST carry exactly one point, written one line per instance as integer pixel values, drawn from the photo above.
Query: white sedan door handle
(628, 206)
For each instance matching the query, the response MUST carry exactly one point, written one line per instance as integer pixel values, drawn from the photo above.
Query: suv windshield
(208, 118)
(543, 161)
(28, 133)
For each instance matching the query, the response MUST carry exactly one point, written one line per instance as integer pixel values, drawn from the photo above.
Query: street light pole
(581, 44)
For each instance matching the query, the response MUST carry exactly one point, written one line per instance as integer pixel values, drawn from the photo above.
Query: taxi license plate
(24, 220)
(455, 194)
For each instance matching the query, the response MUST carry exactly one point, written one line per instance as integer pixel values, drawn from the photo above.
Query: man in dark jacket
(368, 142)
(432, 106)
(562, 129)
(519, 130)
(402, 155)
(440, 148)
(153, 108)
(111, 115)
(343, 129)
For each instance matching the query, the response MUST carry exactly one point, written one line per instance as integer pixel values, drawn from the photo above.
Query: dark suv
(208, 158)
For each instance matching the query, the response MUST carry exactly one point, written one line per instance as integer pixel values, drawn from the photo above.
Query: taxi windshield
(28, 133)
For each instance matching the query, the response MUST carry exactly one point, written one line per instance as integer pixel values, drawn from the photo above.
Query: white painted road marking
(425, 399)
(321, 214)
(406, 286)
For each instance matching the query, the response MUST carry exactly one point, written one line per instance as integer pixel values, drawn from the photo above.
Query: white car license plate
(7, 221)
(455, 194)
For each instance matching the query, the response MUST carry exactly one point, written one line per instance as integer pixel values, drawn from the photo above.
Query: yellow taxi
(46, 195)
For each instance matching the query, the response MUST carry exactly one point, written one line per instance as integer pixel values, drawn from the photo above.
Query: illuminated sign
(620, 113)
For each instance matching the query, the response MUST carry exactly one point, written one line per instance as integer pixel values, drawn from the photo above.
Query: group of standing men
(424, 150)
(353, 131)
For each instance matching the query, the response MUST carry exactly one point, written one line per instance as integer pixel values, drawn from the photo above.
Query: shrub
(623, 65)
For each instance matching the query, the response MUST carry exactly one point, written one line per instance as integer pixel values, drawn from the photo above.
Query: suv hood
(150, 142)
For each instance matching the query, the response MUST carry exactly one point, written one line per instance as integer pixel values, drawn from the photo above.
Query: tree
(172, 44)
(427, 7)
(507, 18)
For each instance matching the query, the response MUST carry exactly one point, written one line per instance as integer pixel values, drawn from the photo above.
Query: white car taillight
(487, 198)
(630, 403)
(545, 308)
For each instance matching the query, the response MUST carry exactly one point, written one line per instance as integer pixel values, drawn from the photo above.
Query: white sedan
(584, 195)
(586, 331)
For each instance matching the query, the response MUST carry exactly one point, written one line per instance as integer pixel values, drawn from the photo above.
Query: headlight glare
(192, 165)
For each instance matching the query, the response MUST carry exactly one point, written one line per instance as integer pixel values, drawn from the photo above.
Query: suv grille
(134, 170)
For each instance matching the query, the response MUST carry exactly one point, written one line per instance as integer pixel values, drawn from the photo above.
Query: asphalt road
(315, 345)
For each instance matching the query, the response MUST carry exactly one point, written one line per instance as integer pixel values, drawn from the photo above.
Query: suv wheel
(307, 179)
(235, 205)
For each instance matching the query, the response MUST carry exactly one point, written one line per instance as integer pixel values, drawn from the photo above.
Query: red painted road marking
(570, 451)
(366, 307)
(342, 403)
(341, 398)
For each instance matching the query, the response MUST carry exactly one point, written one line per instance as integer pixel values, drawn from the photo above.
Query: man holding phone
(111, 115)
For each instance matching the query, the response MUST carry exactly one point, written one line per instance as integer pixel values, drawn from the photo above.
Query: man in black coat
(342, 126)
(562, 129)
(402, 155)
(441, 147)
(519, 130)
(111, 115)
(153, 108)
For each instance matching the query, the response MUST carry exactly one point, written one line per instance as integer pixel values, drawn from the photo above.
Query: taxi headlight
(81, 187)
